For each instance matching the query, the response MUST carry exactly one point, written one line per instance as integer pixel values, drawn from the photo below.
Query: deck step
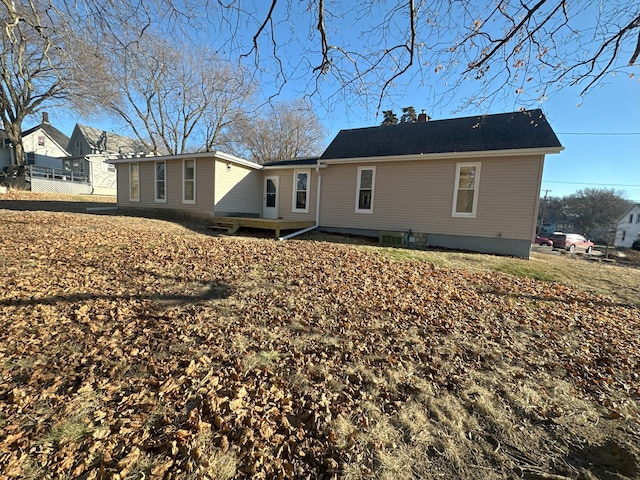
(225, 227)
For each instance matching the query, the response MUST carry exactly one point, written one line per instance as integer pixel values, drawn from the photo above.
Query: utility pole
(542, 209)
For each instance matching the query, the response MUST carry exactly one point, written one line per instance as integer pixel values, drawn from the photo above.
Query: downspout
(308, 229)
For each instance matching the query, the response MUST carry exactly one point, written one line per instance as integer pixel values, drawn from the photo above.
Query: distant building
(628, 227)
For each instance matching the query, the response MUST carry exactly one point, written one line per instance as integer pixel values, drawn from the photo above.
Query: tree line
(187, 76)
(592, 212)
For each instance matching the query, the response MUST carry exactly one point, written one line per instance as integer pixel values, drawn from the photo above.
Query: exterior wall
(103, 176)
(418, 196)
(173, 187)
(78, 144)
(237, 190)
(40, 143)
(631, 229)
(286, 193)
(6, 156)
(219, 190)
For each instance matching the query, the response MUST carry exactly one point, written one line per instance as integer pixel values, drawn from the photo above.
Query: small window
(134, 182)
(301, 191)
(161, 182)
(189, 181)
(624, 236)
(638, 218)
(41, 140)
(631, 218)
(365, 189)
(465, 194)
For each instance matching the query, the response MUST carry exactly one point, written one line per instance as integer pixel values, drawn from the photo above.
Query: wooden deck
(232, 224)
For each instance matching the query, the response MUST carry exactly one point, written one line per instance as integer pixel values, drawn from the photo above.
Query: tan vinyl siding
(122, 185)
(204, 186)
(285, 208)
(237, 189)
(418, 195)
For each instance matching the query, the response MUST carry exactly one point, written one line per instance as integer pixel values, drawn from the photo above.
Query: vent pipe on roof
(423, 117)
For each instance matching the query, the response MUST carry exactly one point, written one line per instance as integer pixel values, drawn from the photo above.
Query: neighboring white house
(628, 229)
(44, 145)
(79, 165)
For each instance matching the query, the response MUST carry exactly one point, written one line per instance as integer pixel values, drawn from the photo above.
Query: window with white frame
(465, 193)
(365, 189)
(134, 182)
(161, 182)
(301, 191)
(189, 181)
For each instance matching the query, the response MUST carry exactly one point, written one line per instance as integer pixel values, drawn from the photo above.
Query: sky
(600, 132)
(600, 135)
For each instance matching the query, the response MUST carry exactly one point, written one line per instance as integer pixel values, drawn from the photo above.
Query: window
(631, 218)
(465, 193)
(189, 181)
(161, 182)
(300, 191)
(624, 236)
(365, 189)
(41, 140)
(134, 182)
(638, 218)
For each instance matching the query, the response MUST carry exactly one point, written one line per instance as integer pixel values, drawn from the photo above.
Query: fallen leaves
(135, 349)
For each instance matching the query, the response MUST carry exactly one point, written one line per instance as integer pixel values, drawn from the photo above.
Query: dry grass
(160, 352)
(618, 281)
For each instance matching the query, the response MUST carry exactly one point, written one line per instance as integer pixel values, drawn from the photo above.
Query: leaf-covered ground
(136, 348)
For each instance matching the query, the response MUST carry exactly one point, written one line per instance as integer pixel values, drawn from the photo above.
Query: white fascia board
(294, 167)
(213, 155)
(447, 156)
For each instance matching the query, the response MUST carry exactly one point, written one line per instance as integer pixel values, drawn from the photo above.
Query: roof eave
(447, 155)
(215, 154)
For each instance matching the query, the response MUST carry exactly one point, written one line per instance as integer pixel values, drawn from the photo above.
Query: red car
(543, 241)
(571, 241)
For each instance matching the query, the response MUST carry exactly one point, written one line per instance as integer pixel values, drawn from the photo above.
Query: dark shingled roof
(505, 131)
(293, 162)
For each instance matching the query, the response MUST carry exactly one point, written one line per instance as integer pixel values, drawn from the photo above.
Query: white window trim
(373, 189)
(184, 181)
(132, 199)
(476, 186)
(155, 182)
(295, 191)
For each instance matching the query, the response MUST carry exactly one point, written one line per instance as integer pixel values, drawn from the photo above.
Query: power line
(598, 184)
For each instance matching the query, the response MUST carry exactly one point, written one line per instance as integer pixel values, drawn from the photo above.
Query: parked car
(571, 242)
(543, 241)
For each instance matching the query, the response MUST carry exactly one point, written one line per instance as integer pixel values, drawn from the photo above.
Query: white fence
(47, 179)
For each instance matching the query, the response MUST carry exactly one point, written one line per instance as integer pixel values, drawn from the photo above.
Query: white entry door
(270, 202)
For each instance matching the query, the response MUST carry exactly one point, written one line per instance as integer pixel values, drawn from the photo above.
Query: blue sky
(600, 133)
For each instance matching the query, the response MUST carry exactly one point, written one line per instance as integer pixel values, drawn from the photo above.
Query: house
(628, 227)
(44, 145)
(469, 183)
(90, 148)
